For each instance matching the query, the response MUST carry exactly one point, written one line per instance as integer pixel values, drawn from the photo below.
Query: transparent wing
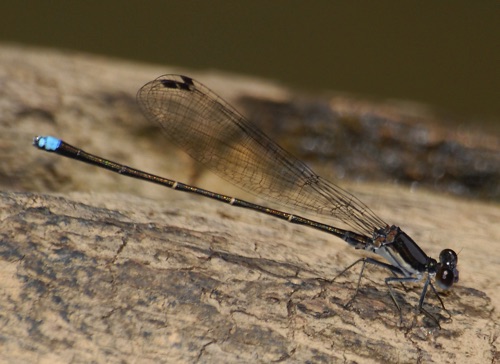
(213, 133)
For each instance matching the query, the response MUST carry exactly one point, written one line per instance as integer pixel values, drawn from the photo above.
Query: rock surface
(123, 271)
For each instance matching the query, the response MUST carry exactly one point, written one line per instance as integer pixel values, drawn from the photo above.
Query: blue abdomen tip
(48, 143)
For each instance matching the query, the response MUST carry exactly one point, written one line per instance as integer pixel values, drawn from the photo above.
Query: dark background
(445, 54)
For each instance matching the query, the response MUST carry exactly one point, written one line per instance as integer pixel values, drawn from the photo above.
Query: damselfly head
(447, 272)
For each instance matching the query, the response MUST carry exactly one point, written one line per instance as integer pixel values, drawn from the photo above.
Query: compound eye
(448, 257)
(445, 277)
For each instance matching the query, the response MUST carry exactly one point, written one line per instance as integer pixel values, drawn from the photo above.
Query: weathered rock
(133, 272)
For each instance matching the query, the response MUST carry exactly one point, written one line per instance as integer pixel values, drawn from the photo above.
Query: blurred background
(443, 54)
